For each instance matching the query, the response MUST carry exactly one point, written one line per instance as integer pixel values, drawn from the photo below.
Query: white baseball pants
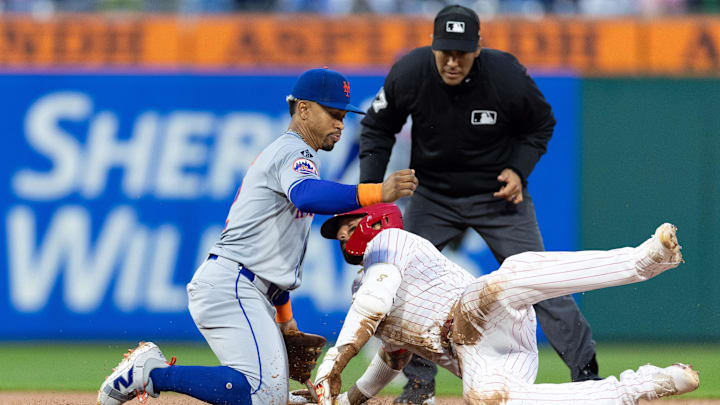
(501, 366)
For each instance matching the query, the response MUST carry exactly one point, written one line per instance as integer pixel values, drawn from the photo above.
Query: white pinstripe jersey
(499, 364)
(430, 285)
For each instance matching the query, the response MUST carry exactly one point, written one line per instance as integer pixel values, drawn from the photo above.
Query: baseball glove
(303, 350)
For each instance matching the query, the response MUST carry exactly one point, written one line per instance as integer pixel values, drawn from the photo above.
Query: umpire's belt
(270, 290)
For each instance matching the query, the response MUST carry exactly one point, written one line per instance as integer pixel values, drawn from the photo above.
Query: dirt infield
(84, 398)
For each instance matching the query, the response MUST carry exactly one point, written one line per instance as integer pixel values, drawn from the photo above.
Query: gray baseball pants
(238, 322)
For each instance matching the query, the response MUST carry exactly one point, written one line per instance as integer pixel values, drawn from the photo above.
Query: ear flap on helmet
(388, 215)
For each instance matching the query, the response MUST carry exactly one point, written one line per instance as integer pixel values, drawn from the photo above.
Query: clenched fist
(402, 183)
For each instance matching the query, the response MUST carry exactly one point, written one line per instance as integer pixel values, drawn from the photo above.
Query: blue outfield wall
(116, 185)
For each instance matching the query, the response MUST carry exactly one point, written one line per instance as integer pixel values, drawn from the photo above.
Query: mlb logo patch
(457, 27)
(305, 166)
(483, 117)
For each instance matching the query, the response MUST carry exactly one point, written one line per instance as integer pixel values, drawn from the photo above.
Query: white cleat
(131, 378)
(674, 380)
(659, 253)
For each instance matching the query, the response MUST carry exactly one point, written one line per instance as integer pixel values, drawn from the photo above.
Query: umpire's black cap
(457, 28)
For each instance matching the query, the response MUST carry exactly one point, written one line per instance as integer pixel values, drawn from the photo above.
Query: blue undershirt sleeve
(323, 197)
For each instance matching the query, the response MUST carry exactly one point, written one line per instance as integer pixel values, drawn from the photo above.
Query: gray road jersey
(264, 231)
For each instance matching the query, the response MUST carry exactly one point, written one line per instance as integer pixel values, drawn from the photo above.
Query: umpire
(479, 126)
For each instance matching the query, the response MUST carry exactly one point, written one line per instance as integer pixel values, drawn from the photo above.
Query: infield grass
(56, 366)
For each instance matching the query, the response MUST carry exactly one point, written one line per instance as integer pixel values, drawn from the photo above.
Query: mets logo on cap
(305, 166)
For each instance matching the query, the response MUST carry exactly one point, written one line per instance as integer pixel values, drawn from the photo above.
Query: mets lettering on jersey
(301, 214)
(305, 166)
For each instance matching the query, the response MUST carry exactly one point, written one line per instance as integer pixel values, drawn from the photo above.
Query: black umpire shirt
(463, 136)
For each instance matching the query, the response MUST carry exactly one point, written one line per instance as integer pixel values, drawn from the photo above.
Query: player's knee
(485, 295)
(272, 391)
(495, 394)
(265, 384)
(238, 390)
(235, 387)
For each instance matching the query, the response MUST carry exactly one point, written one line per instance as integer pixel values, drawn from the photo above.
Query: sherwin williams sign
(116, 186)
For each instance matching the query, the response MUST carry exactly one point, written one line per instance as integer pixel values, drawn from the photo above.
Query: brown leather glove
(303, 350)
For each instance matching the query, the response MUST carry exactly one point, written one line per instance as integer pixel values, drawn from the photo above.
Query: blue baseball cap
(325, 87)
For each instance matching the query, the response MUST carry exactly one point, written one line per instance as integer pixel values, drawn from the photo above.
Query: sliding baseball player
(481, 329)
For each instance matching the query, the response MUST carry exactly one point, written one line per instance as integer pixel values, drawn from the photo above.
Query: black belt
(270, 290)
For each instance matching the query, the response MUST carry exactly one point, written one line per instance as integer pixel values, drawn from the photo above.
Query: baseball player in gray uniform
(239, 297)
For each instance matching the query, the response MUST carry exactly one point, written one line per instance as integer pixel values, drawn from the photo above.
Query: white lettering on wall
(182, 155)
(105, 151)
(164, 296)
(145, 260)
(66, 245)
(180, 151)
(89, 257)
(44, 134)
(130, 289)
(241, 137)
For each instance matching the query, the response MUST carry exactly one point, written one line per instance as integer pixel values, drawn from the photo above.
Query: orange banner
(671, 46)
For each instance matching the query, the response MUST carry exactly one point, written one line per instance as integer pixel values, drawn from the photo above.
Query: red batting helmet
(387, 214)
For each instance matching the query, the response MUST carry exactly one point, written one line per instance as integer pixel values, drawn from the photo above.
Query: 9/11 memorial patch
(305, 166)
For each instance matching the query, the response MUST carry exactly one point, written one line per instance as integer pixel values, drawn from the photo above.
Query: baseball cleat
(131, 378)
(664, 247)
(674, 380)
(406, 401)
(659, 253)
(415, 397)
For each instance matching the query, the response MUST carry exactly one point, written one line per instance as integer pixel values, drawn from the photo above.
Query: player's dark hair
(292, 106)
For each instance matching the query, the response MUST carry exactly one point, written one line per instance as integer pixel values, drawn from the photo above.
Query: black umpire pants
(507, 229)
